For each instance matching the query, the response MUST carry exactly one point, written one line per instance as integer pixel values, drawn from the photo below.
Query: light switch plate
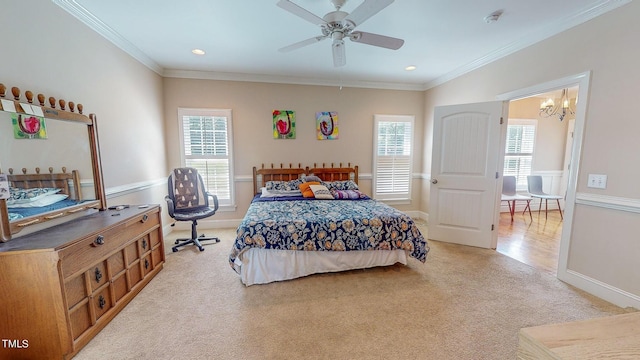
(597, 181)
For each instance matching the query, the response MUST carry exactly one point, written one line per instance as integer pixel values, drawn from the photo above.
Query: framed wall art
(327, 125)
(284, 124)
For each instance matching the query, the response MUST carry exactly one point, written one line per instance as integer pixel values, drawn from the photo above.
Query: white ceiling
(443, 38)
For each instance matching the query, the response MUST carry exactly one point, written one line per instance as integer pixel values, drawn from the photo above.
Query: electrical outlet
(598, 181)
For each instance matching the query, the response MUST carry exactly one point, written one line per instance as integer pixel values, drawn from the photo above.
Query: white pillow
(19, 195)
(43, 201)
(279, 193)
(321, 192)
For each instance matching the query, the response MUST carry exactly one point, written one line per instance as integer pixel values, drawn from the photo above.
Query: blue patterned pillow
(292, 185)
(341, 185)
(19, 195)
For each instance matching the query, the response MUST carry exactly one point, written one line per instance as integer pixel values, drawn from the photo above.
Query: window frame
(395, 197)
(521, 183)
(224, 205)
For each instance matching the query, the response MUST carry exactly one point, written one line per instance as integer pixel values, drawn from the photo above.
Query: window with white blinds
(392, 157)
(518, 157)
(206, 146)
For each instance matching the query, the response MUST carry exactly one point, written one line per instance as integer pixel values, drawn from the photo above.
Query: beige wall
(551, 134)
(604, 46)
(46, 50)
(252, 105)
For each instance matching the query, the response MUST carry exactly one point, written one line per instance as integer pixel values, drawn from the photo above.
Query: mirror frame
(7, 229)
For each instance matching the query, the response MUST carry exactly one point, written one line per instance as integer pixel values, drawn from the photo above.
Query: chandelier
(560, 108)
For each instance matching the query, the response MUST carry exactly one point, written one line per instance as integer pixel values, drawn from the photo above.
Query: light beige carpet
(464, 303)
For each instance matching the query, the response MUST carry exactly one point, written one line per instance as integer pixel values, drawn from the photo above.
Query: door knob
(434, 181)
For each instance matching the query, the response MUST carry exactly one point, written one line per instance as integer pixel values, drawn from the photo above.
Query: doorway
(543, 241)
(538, 143)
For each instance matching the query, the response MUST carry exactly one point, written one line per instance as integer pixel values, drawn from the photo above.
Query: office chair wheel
(177, 242)
(201, 248)
(174, 250)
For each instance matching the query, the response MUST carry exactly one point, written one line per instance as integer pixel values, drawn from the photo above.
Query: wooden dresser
(59, 287)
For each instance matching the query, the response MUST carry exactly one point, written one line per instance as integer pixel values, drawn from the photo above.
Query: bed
(288, 233)
(41, 196)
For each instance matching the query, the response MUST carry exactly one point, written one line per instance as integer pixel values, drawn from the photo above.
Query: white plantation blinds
(518, 157)
(206, 145)
(393, 154)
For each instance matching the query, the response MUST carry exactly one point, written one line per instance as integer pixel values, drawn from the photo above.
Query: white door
(465, 171)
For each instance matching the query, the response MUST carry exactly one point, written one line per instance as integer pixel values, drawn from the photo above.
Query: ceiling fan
(339, 25)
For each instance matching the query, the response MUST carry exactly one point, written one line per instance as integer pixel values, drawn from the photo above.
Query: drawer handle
(144, 244)
(98, 241)
(98, 275)
(145, 217)
(146, 264)
(101, 302)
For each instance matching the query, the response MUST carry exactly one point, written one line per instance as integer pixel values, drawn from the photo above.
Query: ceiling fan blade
(376, 40)
(366, 10)
(302, 43)
(300, 12)
(339, 58)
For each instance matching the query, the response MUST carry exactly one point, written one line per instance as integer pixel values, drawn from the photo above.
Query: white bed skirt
(261, 266)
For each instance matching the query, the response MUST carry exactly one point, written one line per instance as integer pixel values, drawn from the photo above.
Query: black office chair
(188, 200)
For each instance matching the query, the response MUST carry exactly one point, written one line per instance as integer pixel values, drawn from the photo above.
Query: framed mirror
(50, 167)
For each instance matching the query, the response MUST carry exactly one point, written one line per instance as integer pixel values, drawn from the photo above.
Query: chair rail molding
(609, 202)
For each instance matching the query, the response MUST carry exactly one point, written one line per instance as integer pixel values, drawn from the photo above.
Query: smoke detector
(493, 17)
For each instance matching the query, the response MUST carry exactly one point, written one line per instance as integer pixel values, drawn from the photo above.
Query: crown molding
(212, 75)
(81, 13)
(563, 25)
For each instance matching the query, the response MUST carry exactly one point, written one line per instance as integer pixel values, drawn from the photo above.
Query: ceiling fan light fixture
(198, 51)
(410, 68)
(339, 25)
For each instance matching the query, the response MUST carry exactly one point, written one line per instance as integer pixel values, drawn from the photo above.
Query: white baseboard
(602, 290)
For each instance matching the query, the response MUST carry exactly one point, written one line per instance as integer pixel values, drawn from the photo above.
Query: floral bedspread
(328, 225)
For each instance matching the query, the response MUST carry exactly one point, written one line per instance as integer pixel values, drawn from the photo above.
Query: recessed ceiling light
(410, 68)
(198, 51)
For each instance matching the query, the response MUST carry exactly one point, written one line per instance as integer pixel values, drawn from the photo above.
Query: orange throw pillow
(306, 190)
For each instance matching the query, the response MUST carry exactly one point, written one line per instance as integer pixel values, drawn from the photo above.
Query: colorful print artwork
(327, 125)
(284, 124)
(28, 127)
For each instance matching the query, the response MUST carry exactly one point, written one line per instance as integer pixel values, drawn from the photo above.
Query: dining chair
(510, 195)
(534, 184)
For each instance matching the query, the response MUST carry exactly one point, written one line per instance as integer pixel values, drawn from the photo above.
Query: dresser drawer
(97, 276)
(102, 301)
(141, 224)
(86, 252)
(91, 249)
(76, 290)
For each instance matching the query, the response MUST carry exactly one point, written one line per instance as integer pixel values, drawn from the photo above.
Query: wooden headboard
(332, 173)
(69, 183)
(263, 174)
